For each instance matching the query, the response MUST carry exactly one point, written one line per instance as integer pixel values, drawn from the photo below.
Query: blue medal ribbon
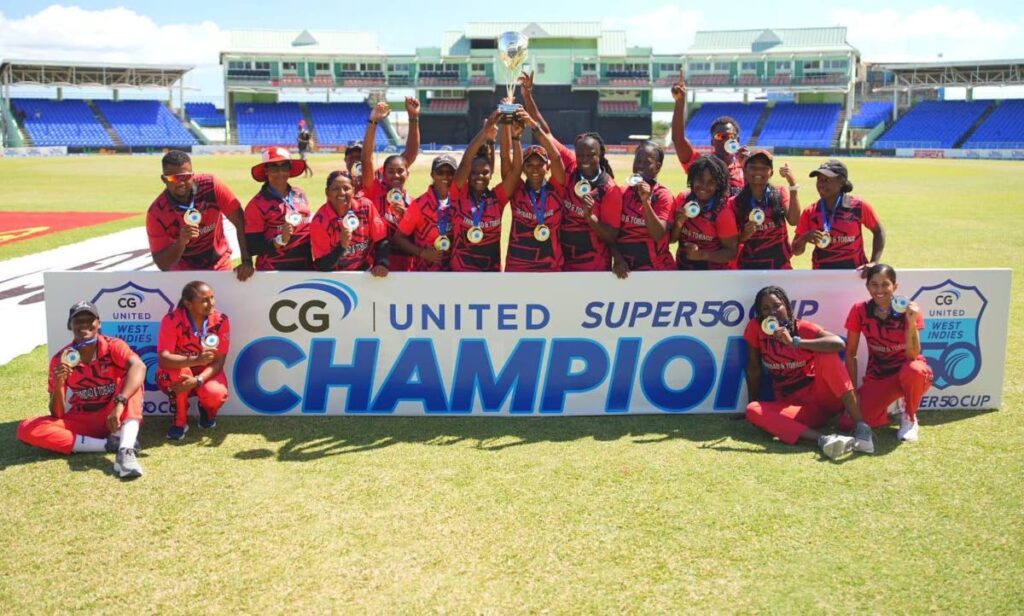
(443, 213)
(80, 345)
(539, 201)
(478, 209)
(826, 220)
(195, 330)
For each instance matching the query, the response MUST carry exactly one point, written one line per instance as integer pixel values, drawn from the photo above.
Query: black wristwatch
(121, 399)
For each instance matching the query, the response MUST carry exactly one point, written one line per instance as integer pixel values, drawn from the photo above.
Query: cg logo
(287, 315)
(951, 340)
(947, 297)
(129, 300)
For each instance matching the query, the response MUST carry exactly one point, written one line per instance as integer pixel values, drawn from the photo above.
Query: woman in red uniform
(385, 187)
(835, 223)
(643, 242)
(592, 201)
(705, 223)
(725, 139)
(426, 228)
(95, 396)
(808, 378)
(193, 344)
(277, 218)
(762, 212)
(476, 243)
(347, 232)
(896, 368)
(534, 243)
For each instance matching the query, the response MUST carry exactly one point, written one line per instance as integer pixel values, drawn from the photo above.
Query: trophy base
(508, 110)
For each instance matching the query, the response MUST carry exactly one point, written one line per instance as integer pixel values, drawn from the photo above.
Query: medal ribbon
(591, 180)
(478, 209)
(539, 201)
(195, 330)
(826, 220)
(80, 345)
(766, 201)
(443, 213)
(286, 199)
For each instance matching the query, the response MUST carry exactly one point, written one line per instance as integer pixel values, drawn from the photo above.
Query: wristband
(200, 381)
(794, 187)
(119, 399)
(414, 120)
(371, 121)
(796, 342)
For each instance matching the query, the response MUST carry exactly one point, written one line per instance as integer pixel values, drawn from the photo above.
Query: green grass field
(699, 514)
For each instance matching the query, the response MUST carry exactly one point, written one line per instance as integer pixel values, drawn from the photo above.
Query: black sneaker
(205, 421)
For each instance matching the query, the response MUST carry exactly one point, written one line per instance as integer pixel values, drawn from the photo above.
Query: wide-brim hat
(276, 155)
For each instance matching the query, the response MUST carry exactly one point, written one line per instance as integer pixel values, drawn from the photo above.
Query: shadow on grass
(310, 438)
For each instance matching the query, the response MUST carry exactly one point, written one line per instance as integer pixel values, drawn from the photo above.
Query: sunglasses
(724, 136)
(279, 166)
(177, 178)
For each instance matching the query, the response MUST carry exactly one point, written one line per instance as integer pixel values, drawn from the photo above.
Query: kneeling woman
(808, 378)
(347, 232)
(896, 368)
(95, 396)
(193, 344)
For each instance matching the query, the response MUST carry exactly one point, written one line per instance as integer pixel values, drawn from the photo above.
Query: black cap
(831, 168)
(443, 160)
(82, 306)
(353, 145)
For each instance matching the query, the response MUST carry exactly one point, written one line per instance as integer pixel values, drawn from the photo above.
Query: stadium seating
(618, 107)
(268, 123)
(871, 114)
(800, 125)
(447, 105)
(205, 114)
(933, 124)
(699, 127)
(337, 123)
(145, 123)
(1003, 129)
(67, 122)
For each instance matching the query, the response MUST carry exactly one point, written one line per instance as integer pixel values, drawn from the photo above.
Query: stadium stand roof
(930, 75)
(302, 42)
(771, 41)
(87, 74)
(610, 43)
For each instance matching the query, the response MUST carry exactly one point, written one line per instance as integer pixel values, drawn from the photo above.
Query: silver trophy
(512, 47)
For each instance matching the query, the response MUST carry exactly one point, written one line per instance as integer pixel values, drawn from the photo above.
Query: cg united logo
(950, 339)
(133, 313)
(304, 307)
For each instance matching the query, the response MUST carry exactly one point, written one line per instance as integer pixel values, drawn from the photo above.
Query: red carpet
(16, 226)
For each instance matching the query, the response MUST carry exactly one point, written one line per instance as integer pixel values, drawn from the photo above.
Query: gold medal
(475, 235)
(756, 216)
(211, 341)
(770, 325)
(582, 188)
(542, 233)
(442, 243)
(691, 209)
(193, 217)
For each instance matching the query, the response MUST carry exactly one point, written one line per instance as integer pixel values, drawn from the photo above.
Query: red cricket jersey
(485, 256)
(582, 249)
(325, 235)
(423, 222)
(706, 230)
(736, 179)
(886, 339)
(93, 385)
(769, 247)
(377, 193)
(847, 248)
(791, 369)
(526, 253)
(265, 214)
(635, 243)
(178, 336)
(209, 251)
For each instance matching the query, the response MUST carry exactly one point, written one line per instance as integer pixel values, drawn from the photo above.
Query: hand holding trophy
(512, 47)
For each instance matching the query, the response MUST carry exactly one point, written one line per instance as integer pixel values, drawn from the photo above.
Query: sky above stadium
(193, 32)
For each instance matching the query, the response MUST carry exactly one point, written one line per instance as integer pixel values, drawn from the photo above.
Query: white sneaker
(862, 439)
(126, 464)
(835, 446)
(908, 429)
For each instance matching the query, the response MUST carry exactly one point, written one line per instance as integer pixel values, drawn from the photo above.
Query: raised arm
(684, 149)
(546, 140)
(505, 137)
(793, 213)
(526, 87)
(412, 140)
(378, 113)
(514, 176)
(466, 164)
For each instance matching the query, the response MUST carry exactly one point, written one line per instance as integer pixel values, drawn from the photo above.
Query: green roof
(306, 42)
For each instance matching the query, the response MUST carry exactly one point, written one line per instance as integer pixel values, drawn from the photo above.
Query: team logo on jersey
(133, 313)
(950, 340)
(304, 307)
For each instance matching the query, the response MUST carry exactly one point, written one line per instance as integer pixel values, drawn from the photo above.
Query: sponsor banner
(526, 344)
(35, 152)
(978, 154)
(221, 149)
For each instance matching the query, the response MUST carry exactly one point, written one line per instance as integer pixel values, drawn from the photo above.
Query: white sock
(129, 433)
(89, 444)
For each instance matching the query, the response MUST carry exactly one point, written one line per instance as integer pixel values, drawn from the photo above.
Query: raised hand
(380, 111)
(679, 87)
(412, 107)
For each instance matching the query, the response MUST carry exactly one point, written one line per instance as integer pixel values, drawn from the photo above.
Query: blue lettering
(415, 375)
(535, 320)
(247, 369)
(507, 317)
(731, 379)
(620, 389)
(474, 371)
(560, 377)
(323, 374)
(591, 311)
(652, 374)
(394, 317)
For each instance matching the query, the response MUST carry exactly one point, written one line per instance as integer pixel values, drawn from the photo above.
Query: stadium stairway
(977, 124)
(760, 125)
(104, 122)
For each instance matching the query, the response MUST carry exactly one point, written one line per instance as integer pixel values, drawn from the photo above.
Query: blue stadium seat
(699, 127)
(67, 122)
(933, 124)
(1003, 129)
(339, 123)
(795, 125)
(145, 124)
(267, 123)
(205, 114)
(871, 114)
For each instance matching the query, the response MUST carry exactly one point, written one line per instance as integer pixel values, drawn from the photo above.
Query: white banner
(35, 152)
(526, 344)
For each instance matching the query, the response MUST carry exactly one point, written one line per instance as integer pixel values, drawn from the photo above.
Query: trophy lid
(512, 48)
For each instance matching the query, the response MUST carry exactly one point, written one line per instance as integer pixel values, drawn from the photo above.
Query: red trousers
(212, 394)
(910, 383)
(807, 408)
(59, 435)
